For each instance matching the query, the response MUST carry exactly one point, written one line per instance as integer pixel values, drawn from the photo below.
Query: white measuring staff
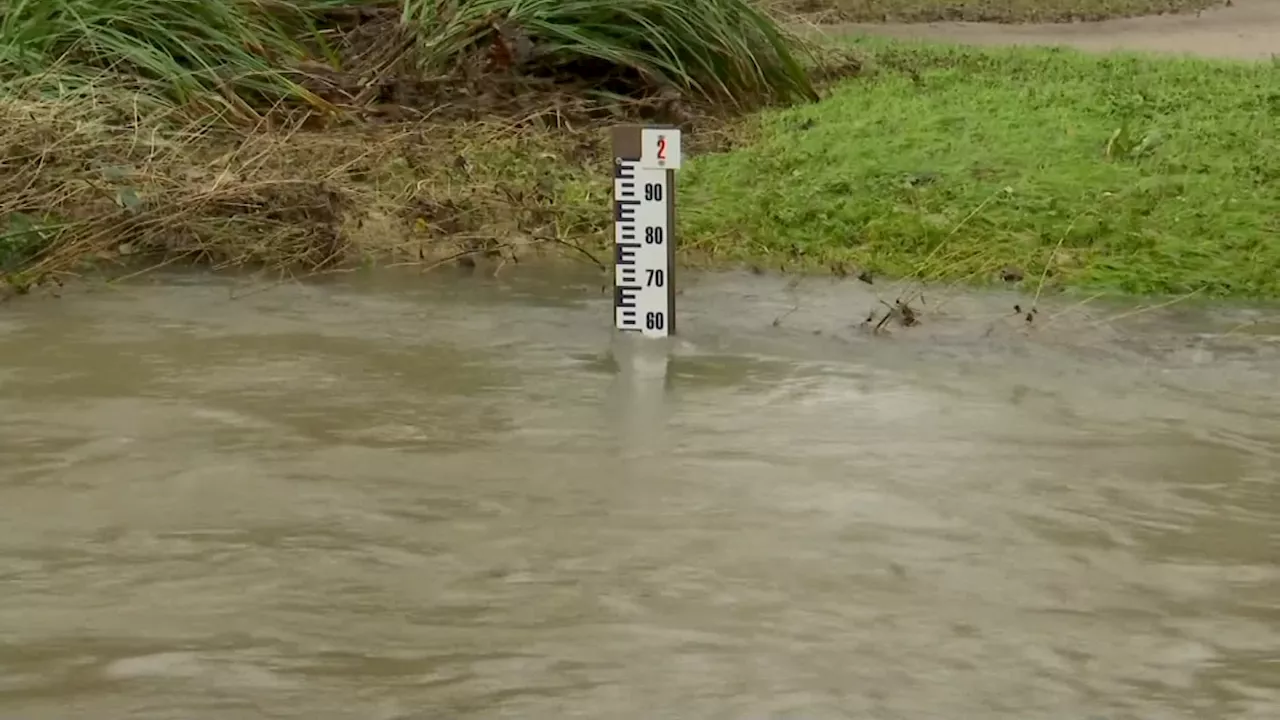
(644, 234)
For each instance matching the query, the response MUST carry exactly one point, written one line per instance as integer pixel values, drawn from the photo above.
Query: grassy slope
(1006, 11)
(952, 163)
(904, 172)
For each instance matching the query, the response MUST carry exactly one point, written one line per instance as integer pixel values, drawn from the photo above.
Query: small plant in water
(22, 237)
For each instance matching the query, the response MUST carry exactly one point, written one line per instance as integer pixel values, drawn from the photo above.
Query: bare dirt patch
(992, 11)
(1246, 30)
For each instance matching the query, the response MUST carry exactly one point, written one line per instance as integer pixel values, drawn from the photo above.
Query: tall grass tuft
(238, 55)
(722, 50)
(211, 53)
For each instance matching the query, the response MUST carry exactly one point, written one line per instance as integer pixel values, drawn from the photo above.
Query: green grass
(1128, 174)
(725, 50)
(1112, 173)
(184, 52)
(239, 56)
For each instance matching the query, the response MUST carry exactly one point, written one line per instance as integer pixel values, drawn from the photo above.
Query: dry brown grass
(84, 189)
(82, 184)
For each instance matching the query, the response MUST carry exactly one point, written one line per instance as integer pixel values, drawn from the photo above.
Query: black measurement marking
(627, 253)
(631, 280)
(624, 211)
(625, 296)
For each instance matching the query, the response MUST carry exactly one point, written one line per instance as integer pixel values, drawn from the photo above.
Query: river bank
(1048, 168)
(1113, 174)
(379, 493)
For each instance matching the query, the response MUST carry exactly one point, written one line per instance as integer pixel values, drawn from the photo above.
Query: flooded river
(391, 496)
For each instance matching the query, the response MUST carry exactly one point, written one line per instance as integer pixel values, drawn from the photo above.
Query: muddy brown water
(388, 496)
(1246, 30)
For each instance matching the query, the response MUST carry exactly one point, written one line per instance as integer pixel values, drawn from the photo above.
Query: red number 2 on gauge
(662, 147)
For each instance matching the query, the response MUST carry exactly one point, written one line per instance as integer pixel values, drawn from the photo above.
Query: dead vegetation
(77, 192)
(79, 187)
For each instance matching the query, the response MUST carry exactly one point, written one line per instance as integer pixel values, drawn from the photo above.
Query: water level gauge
(645, 159)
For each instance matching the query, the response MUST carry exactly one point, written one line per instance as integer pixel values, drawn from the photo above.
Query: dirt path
(1250, 30)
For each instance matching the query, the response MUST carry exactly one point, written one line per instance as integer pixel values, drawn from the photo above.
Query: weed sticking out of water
(1043, 167)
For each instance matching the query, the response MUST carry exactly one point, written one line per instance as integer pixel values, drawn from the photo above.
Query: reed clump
(278, 131)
